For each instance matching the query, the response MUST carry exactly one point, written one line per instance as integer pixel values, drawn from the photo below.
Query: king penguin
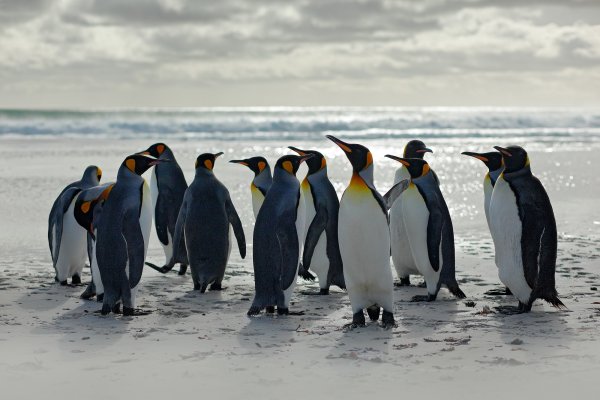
(524, 232)
(67, 240)
(401, 254)
(167, 186)
(364, 238)
(321, 248)
(493, 161)
(262, 180)
(429, 230)
(122, 234)
(277, 239)
(204, 226)
(88, 210)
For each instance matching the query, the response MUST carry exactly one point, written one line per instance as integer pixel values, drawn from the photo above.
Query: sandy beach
(55, 345)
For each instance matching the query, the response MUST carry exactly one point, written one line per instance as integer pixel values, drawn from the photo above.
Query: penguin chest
(146, 211)
(487, 196)
(364, 241)
(319, 262)
(506, 229)
(415, 216)
(401, 174)
(72, 252)
(257, 199)
(401, 253)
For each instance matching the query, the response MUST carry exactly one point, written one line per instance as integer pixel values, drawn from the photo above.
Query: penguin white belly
(72, 253)
(300, 222)
(506, 228)
(415, 216)
(319, 262)
(96, 271)
(146, 212)
(487, 193)
(401, 253)
(364, 241)
(401, 174)
(257, 199)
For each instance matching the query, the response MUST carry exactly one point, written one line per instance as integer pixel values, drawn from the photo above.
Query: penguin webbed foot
(64, 283)
(216, 287)
(522, 308)
(423, 298)
(182, 269)
(358, 320)
(387, 320)
(254, 310)
(307, 276)
(135, 312)
(498, 292)
(76, 279)
(100, 297)
(373, 313)
(270, 309)
(88, 293)
(321, 292)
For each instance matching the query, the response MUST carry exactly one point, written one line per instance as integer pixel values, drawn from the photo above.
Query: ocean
(531, 125)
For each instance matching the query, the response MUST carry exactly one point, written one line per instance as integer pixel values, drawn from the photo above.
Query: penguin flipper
(238, 230)
(316, 228)
(179, 250)
(290, 252)
(56, 215)
(395, 192)
(132, 232)
(161, 219)
(434, 237)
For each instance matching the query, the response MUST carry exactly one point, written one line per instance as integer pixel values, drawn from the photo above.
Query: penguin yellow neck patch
(208, 164)
(358, 185)
(106, 192)
(130, 164)
(287, 165)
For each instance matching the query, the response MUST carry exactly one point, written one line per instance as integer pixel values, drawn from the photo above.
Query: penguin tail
(550, 296)
(455, 290)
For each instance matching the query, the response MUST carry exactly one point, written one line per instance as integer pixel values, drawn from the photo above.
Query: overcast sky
(161, 53)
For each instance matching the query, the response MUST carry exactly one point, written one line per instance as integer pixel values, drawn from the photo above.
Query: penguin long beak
(425, 150)
(401, 160)
(156, 162)
(297, 150)
(503, 151)
(341, 144)
(242, 162)
(219, 154)
(306, 157)
(476, 155)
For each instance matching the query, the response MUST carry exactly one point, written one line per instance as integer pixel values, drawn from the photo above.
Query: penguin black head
(416, 149)
(316, 163)
(514, 157)
(291, 163)
(493, 159)
(84, 210)
(92, 174)
(207, 160)
(140, 163)
(416, 167)
(360, 157)
(256, 164)
(155, 150)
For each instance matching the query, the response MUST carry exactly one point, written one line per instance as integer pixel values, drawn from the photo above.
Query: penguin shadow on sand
(269, 331)
(46, 295)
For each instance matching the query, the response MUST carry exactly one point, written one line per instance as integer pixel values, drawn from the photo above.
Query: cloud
(302, 45)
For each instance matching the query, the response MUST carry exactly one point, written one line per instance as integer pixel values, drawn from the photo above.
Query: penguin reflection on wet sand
(67, 240)
(524, 232)
(364, 239)
(167, 186)
(321, 252)
(277, 239)
(204, 225)
(122, 234)
(88, 210)
(493, 161)
(262, 180)
(401, 255)
(429, 229)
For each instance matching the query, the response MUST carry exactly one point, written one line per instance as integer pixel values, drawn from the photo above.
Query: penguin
(167, 186)
(364, 240)
(493, 161)
(262, 180)
(321, 251)
(67, 240)
(401, 254)
(122, 234)
(87, 210)
(277, 239)
(204, 225)
(429, 230)
(524, 233)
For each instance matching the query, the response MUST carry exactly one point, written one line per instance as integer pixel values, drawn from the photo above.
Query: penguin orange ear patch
(323, 163)
(160, 148)
(425, 169)
(287, 165)
(369, 159)
(208, 164)
(106, 192)
(99, 172)
(85, 207)
(130, 163)
(261, 165)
